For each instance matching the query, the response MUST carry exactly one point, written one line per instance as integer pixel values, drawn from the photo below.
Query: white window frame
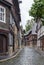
(4, 14)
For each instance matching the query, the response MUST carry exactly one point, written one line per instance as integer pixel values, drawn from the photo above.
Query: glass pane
(2, 10)
(0, 16)
(3, 16)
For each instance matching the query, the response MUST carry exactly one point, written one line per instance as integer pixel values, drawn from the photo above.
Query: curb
(11, 57)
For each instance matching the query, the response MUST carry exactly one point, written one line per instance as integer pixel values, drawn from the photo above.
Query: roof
(32, 30)
(10, 1)
(28, 32)
(6, 3)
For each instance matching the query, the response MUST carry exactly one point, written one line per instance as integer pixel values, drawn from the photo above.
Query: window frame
(12, 22)
(4, 14)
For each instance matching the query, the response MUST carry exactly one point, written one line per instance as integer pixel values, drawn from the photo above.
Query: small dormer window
(2, 14)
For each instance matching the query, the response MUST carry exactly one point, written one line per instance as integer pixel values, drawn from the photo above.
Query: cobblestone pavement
(28, 56)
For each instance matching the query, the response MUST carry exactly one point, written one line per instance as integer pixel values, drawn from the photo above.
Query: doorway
(3, 44)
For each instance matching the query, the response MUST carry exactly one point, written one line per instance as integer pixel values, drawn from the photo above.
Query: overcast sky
(24, 7)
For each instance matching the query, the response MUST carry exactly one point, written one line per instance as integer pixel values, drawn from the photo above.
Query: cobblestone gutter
(10, 57)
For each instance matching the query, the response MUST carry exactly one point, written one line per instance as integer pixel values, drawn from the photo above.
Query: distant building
(31, 37)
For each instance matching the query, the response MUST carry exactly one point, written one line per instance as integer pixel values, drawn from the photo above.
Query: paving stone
(27, 56)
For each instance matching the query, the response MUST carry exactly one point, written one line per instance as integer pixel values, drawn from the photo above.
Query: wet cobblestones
(28, 56)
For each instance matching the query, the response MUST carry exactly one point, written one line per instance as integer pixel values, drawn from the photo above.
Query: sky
(24, 10)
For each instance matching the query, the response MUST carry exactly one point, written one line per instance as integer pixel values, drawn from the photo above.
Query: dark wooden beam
(6, 3)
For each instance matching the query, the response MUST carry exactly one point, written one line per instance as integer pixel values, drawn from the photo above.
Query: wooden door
(1, 44)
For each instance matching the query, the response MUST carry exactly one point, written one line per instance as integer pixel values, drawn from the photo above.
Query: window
(12, 20)
(2, 14)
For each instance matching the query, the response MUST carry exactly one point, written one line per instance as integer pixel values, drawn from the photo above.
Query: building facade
(9, 25)
(40, 35)
(31, 37)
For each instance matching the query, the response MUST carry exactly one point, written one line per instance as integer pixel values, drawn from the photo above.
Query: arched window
(2, 14)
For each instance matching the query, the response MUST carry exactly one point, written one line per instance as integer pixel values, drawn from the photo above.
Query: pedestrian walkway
(27, 56)
(6, 57)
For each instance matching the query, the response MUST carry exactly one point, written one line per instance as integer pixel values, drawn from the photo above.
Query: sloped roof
(10, 1)
(28, 32)
(32, 30)
(6, 2)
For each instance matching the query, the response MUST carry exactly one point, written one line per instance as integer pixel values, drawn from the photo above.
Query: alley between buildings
(27, 56)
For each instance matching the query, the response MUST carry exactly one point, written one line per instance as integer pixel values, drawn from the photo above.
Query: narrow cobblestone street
(28, 56)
